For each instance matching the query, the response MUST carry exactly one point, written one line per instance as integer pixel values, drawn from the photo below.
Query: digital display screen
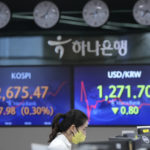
(32, 96)
(113, 95)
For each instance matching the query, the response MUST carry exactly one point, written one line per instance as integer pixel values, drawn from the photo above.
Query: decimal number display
(131, 110)
(27, 111)
(13, 92)
(116, 91)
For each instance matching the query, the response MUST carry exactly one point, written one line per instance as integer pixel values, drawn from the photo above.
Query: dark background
(120, 13)
(65, 5)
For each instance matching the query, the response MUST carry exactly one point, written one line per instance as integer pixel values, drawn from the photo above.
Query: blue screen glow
(113, 95)
(31, 96)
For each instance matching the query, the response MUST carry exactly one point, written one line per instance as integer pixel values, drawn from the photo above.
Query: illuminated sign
(83, 47)
(113, 95)
(33, 95)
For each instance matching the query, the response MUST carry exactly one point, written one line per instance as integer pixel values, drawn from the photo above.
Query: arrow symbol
(115, 110)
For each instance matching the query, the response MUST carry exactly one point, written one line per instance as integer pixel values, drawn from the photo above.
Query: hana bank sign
(97, 47)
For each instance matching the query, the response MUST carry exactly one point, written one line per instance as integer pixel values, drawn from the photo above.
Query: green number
(100, 88)
(142, 87)
(123, 110)
(146, 91)
(131, 110)
(121, 90)
(128, 87)
(113, 87)
(136, 110)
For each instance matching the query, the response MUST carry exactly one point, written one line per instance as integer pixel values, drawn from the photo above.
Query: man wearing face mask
(67, 129)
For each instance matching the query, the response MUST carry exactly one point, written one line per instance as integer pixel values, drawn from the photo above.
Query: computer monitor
(33, 95)
(113, 95)
(143, 129)
(128, 143)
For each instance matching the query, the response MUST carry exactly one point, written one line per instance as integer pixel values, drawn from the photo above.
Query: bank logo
(59, 49)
